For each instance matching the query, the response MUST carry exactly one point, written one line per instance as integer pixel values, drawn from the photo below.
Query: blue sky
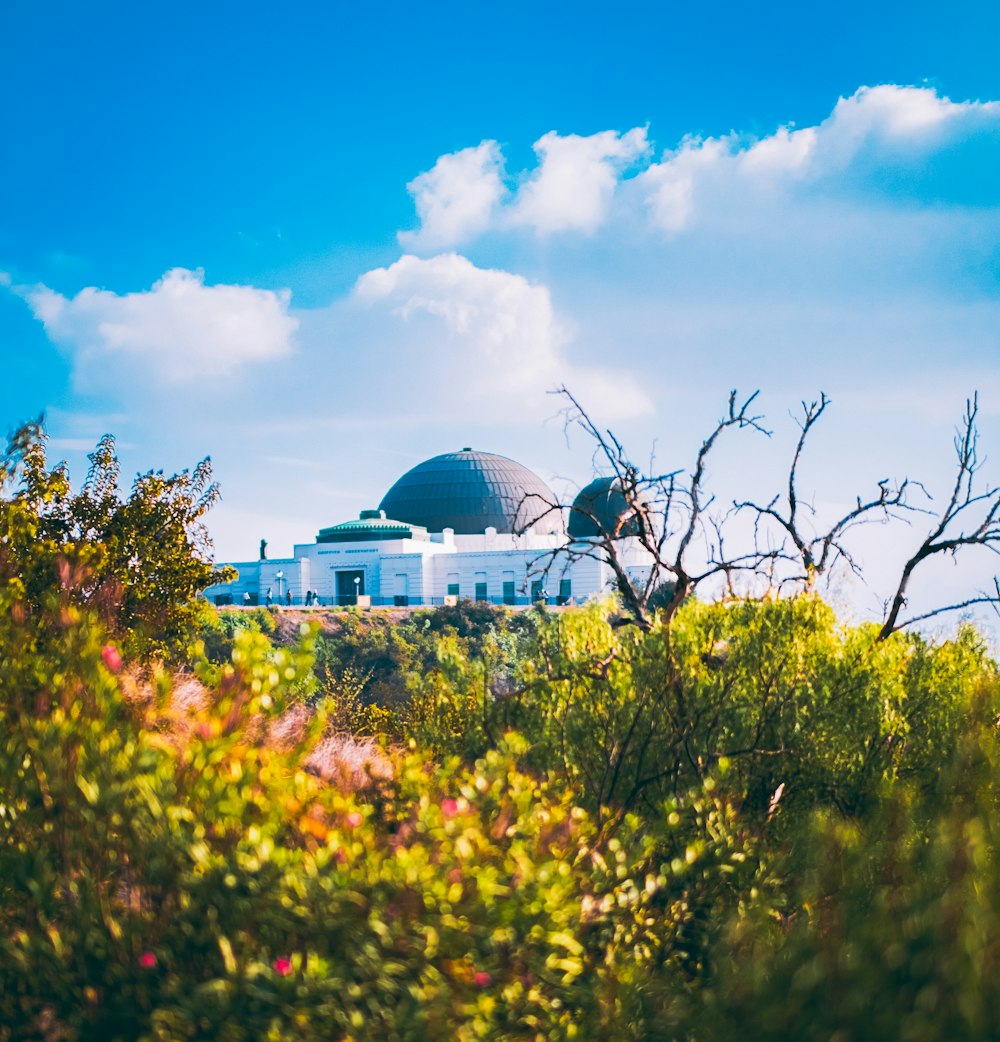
(322, 242)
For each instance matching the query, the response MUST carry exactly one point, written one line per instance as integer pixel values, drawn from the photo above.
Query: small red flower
(449, 807)
(148, 961)
(354, 819)
(483, 979)
(112, 657)
(282, 966)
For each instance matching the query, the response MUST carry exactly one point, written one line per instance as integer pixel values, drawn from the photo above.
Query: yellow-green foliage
(780, 689)
(898, 931)
(750, 822)
(138, 562)
(172, 873)
(755, 823)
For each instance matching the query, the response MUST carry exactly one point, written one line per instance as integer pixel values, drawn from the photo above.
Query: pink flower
(112, 657)
(148, 961)
(354, 819)
(282, 966)
(449, 807)
(482, 979)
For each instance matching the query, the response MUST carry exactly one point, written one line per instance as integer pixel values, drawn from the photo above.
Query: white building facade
(464, 525)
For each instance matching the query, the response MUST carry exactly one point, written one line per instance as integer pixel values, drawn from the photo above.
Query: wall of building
(426, 571)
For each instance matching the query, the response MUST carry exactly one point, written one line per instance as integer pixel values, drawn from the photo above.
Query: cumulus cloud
(457, 198)
(576, 179)
(507, 344)
(180, 330)
(571, 189)
(670, 185)
(878, 140)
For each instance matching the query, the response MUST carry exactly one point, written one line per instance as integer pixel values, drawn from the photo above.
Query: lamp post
(357, 588)
(279, 576)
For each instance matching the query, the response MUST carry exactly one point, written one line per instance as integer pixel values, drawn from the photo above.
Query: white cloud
(670, 185)
(512, 321)
(576, 179)
(786, 152)
(893, 111)
(457, 198)
(876, 130)
(179, 331)
(507, 344)
(463, 195)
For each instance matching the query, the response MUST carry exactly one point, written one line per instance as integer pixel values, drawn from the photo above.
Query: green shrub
(169, 870)
(780, 689)
(897, 934)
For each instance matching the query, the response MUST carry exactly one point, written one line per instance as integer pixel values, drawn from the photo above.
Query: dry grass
(352, 764)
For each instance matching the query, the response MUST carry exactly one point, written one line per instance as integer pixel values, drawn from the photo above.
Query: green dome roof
(370, 527)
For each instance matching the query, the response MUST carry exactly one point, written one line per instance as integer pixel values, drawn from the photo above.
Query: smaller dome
(372, 526)
(600, 509)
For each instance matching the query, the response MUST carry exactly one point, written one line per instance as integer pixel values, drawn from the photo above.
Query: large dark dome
(600, 509)
(471, 491)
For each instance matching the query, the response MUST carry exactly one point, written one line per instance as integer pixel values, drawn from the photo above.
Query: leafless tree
(819, 553)
(667, 514)
(663, 513)
(949, 534)
(970, 518)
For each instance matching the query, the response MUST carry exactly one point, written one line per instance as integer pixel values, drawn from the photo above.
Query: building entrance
(350, 586)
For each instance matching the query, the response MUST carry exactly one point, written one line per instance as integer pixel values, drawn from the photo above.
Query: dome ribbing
(471, 491)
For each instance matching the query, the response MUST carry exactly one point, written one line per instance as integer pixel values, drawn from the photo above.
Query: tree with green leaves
(138, 560)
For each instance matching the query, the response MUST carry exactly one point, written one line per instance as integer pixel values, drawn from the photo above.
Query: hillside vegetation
(743, 820)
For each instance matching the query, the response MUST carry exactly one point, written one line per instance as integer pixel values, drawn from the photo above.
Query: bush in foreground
(175, 865)
(207, 886)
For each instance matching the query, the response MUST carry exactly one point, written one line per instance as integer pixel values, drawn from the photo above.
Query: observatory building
(461, 525)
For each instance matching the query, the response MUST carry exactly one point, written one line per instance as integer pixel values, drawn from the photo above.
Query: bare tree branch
(943, 537)
(667, 521)
(819, 553)
(993, 599)
(661, 517)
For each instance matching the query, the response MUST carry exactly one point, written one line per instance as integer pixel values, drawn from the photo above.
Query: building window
(509, 594)
(453, 589)
(481, 586)
(565, 591)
